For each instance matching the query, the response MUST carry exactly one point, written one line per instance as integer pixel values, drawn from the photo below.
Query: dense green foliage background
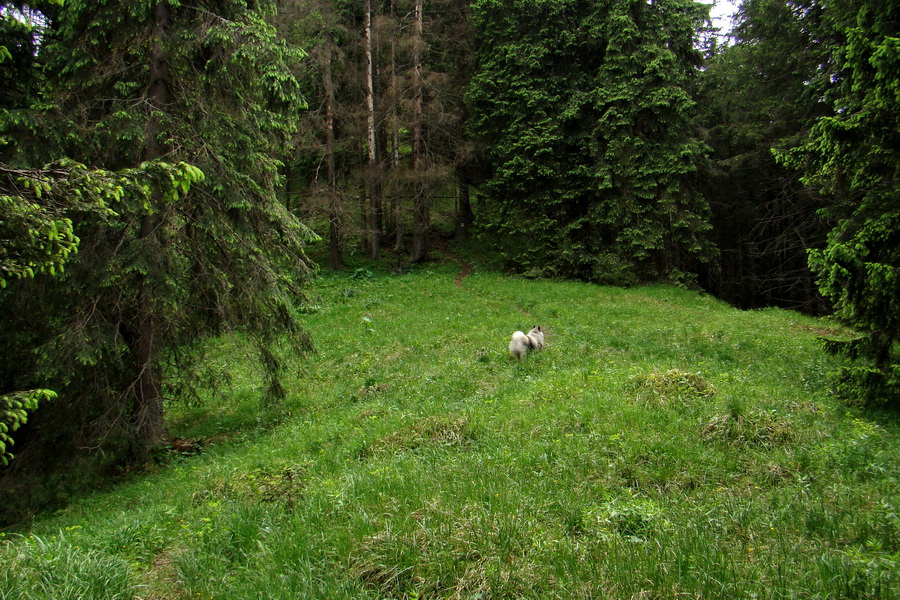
(585, 111)
(175, 230)
(167, 169)
(761, 93)
(854, 157)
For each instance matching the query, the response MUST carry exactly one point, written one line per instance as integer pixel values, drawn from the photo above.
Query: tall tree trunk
(335, 251)
(364, 218)
(372, 173)
(420, 202)
(147, 410)
(396, 206)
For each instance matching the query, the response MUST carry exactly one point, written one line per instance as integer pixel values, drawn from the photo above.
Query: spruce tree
(188, 253)
(756, 96)
(854, 158)
(586, 111)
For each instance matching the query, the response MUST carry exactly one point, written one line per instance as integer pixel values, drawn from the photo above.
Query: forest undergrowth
(663, 445)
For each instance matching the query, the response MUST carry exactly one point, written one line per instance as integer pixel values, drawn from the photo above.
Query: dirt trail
(440, 245)
(467, 269)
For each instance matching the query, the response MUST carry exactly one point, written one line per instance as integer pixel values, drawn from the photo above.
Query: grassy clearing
(663, 445)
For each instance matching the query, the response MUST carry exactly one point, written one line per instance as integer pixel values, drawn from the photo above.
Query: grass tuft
(54, 568)
(751, 429)
(671, 387)
(433, 431)
(282, 484)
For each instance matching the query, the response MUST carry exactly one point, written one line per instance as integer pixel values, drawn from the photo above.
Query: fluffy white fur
(521, 342)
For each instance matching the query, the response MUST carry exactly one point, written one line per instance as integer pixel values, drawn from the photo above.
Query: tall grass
(662, 445)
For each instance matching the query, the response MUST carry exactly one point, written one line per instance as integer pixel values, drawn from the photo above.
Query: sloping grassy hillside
(664, 445)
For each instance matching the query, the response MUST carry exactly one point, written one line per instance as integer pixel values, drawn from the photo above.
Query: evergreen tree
(190, 251)
(854, 157)
(418, 56)
(755, 96)
(323, 149)
(586, 108)
(37, 206)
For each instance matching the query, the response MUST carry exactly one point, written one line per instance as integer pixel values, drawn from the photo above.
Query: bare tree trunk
(372, 176)
(363, 217)
(363, 207)
(147, 411)
(396, 206)
(420, 202)
(335, 251)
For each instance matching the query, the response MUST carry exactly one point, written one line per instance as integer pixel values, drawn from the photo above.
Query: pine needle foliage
(853, 157)
(585, 111)
(201, 99)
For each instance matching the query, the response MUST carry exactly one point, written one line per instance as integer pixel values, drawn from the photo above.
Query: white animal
(521, 343)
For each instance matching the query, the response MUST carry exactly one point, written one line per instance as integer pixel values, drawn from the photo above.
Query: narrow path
(440, 245)
(467, 269)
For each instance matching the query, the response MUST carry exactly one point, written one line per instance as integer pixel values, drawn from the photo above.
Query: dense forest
(168, 167)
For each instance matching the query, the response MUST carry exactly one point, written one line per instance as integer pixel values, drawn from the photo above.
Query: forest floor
(663, 445)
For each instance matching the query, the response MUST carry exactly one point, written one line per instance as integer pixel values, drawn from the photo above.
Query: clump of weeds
(671, 387)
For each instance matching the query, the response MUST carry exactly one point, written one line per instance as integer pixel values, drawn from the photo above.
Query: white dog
(522, 343)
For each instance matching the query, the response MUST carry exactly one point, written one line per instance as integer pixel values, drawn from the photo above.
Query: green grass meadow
(663, 445)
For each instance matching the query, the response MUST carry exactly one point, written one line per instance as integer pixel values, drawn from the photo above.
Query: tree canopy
(853, 156)
(183, 112)
(585, 110)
